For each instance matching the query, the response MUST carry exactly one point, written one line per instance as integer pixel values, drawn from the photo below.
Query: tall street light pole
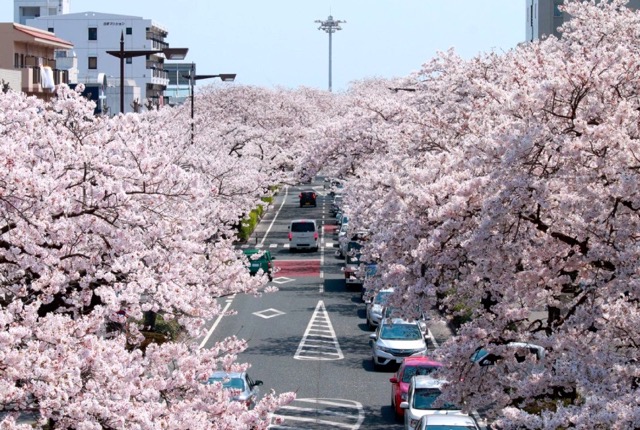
(330, 26)
(225, 77)
(170, 53)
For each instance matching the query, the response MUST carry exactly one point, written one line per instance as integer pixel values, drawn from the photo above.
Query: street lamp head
(228, 77)
(175, 53)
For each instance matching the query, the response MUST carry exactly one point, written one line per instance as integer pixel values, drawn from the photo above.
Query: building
(178, 89)
(33, 53)
(94, 33)
(24, 10)
(544, 17)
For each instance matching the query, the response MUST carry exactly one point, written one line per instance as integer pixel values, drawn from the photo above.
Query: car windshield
(233, 383)
(453, 427)
(411, 371)
(400, 332)
(382, 297)
(424, 398)
(302, 227)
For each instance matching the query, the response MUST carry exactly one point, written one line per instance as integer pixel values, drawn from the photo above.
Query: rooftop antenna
(330, 26)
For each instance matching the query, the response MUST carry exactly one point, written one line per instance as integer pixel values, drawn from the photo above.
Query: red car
(410, 367)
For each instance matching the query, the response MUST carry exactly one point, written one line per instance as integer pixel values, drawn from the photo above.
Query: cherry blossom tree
(504, 190)
(104, 219)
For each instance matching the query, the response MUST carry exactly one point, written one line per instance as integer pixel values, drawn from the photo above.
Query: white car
(303, 234)
(394, 340)
(449, 422)
(376, 305)
(421, 399)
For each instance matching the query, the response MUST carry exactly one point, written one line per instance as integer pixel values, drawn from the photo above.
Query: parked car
(410, 367)
(375, 306)
(394, 340)
(303, 234)
(344, 243)
(260, 260)
(308, 198)
(352, 263)
(484, 357)
(421, 401)
(447, 422)
(244, 389)
(419, 316)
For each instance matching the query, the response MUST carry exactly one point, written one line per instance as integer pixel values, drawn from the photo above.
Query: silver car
(376, 305)
(243, 388)
(450, 422)
(394, 340)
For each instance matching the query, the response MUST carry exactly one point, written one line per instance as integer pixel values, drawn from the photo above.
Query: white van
(303, 234)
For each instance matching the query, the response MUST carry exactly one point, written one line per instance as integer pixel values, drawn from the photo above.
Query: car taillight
(314, 195)
(290, 236)
(315, 235)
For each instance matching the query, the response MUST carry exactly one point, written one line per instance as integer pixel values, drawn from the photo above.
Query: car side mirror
(373, 336)
(256, 383)
(404, 405)
(393, 380)
(273, 258)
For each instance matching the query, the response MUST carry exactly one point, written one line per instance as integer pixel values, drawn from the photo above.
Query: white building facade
(24, 10)
(94, 33)
(544, 17)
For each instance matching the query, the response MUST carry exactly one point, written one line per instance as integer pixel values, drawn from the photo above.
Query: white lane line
(266, 233)
(215, 324)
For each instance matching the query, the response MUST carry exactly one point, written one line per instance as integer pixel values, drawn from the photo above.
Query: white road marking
(318, 334)
(266, 233)
(325, 413)
(217, 321)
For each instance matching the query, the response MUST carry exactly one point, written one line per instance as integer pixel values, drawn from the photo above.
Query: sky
(277, 43)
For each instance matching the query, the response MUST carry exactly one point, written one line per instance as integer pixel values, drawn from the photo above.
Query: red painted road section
(331, 228)
(297, 268)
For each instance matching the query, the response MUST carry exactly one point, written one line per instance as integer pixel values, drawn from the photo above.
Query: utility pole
(330, 26)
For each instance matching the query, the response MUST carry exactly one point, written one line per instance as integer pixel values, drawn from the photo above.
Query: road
(311, 336)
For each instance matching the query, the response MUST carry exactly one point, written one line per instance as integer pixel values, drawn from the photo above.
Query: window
(93, 33)
(129, 60)
(129, 31)
(50, 30)
(93, 63)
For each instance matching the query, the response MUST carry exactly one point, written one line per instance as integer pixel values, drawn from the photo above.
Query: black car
(308, 198)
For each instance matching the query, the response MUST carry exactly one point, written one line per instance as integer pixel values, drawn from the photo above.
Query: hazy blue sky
(277, 43)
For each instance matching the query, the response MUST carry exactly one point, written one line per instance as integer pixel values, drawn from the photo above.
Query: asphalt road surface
(311, 336)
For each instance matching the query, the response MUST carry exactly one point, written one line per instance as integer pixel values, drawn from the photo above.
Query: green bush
(248, 224)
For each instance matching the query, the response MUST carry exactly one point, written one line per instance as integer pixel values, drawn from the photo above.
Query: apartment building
(32, 53)
(544, 17)
(95, 33)
(24, 10)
